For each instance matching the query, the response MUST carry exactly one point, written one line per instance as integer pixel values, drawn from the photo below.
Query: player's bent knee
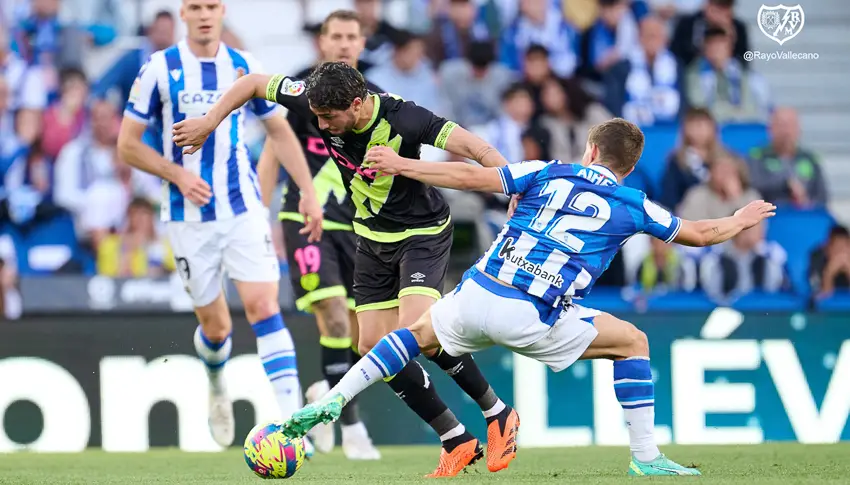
(640, 344)
(333, 313)
(261, 308)
(365, 345)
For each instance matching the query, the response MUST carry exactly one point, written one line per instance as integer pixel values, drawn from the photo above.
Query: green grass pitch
(769, 463)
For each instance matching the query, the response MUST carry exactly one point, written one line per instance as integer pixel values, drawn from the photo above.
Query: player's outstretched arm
(451, 175)
(715, 231)
(288, 151)
(463, 143)
(192, 133)
(137, 154)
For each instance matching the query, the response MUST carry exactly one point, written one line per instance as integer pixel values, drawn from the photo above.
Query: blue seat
(838, 302)
(679, 301)
(799, 231)
(778, 302)
(58, 231)
(659, 142)
(742, 138)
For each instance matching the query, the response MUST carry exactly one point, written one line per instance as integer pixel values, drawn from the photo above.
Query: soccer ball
(270, 454)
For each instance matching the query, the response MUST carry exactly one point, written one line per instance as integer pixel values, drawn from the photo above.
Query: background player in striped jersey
(215, 217)
(571, 221)
(322, 273)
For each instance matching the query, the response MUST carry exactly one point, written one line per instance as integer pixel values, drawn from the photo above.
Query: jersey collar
(604, 171)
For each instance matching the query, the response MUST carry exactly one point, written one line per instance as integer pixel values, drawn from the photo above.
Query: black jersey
(387, 208)
(330, 189)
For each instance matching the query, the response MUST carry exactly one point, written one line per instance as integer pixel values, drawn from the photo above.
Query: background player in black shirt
(404, 230)
(322, 273)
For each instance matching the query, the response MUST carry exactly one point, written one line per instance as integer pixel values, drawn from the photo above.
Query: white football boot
(323, 435)
(221, 421)
(356, 443)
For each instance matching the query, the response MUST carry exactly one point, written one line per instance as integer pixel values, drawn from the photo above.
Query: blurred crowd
(529, 76)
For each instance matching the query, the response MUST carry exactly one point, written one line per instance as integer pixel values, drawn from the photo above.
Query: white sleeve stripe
(503, 180)
(678, 222)
(519, 170)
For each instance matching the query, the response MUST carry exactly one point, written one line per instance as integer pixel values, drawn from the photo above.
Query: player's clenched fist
(193, 188)
(385, 159)
(192, 133)
(755, 212)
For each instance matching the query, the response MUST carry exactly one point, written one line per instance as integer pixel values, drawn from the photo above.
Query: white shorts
(481, 313)
(241, 245)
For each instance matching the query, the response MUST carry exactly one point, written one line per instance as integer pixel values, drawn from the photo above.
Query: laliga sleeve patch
(135, 91)
(292, 88)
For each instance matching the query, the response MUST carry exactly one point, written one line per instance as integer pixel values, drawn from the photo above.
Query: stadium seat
(659, 142)
(800, 232)
(678, 301)
(778, 302)
(838, 302)
(742, 138)
(606, 299)
(44, 248)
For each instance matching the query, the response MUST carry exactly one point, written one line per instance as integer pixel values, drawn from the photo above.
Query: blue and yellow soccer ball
(270, 454)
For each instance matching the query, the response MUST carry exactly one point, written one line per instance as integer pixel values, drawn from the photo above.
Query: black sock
(468, 376)
(335, 363)
(353, 355)
(414, 387)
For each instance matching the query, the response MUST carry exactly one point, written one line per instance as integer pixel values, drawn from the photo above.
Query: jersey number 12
(559, 191)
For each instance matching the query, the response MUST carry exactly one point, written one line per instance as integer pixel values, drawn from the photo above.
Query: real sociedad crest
(781, 23)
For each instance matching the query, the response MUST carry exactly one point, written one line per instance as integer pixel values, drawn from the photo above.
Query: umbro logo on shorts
(417, 278)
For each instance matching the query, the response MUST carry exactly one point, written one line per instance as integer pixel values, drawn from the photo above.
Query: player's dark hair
(620, 144)
(342, 15)
(335, 85)
(722, 3)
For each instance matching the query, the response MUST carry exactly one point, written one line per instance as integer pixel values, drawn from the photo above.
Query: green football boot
(659, 466)
(323, 411)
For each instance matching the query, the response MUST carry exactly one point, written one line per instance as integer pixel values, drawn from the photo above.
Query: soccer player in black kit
(404, 232)
(322, 273)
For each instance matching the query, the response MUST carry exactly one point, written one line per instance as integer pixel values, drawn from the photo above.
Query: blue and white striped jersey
(569, 224)
(174, 85)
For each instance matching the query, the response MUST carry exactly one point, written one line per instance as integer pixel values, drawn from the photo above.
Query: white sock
(214, 355)
(453, 433)
(277, 353)
(496, 409)
(636, 392)
(385, 360)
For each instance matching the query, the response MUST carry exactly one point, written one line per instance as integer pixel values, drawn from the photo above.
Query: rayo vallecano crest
(781, 23)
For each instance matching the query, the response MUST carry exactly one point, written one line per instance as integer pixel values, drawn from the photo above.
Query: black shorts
(385, 272)
(320, 270)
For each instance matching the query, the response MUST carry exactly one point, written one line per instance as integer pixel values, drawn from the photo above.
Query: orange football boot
(501, 442)
(461, 457)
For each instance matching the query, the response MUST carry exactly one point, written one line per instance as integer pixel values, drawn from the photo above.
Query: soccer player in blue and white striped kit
(569, 224)
(211, 202)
